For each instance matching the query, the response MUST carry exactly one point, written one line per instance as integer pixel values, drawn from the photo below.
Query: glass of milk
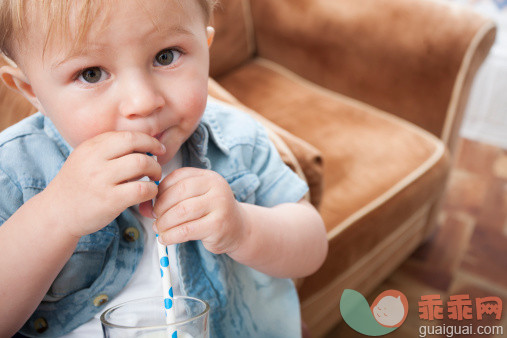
(146, 318)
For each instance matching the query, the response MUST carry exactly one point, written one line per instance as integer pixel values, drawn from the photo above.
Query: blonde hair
(14, 15)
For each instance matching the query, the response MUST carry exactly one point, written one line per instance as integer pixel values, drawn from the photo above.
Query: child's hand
(198, 204)
(99, 180)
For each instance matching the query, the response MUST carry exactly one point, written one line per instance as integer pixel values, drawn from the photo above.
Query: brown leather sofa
(363, 98)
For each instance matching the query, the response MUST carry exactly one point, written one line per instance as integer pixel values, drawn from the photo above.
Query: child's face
(145, 70)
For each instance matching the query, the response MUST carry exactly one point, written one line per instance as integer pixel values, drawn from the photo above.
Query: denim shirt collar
(55, 135)
(196, 145)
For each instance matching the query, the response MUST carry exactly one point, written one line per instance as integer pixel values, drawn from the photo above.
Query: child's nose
(140, 97)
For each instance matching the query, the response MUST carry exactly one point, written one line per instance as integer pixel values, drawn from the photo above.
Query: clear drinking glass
(146, 318)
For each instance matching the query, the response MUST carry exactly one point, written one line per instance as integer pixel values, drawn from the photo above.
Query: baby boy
(112, 81)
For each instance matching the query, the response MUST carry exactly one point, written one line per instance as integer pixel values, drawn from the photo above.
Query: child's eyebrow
(173, 29)
(74, 54)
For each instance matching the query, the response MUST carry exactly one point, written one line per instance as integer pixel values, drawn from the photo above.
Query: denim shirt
(243, 301)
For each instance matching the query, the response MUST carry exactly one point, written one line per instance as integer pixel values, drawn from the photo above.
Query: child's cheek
(195, 91)
(195, 103)
(81, 129)
(199, 101)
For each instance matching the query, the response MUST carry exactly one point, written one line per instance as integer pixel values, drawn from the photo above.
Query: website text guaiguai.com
(459, 330)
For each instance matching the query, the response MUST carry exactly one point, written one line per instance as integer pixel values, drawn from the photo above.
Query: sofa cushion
(234, 42)
(379, 170)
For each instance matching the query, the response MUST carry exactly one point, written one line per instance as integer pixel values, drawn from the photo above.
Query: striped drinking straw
(165, 274)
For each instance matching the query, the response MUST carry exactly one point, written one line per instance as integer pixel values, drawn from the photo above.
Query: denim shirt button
(40, 325)
(100, 300)
(131, 234)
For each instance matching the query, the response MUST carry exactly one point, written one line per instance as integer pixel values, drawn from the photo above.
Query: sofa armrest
(415, 59)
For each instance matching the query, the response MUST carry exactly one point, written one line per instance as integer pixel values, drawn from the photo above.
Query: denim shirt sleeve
(241, 151)
(278, 183)
(11, 197)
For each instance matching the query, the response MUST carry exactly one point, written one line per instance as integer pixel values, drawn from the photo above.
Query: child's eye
(92, 75)
(166, 57)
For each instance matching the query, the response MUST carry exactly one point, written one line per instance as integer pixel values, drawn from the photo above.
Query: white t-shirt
(146, 281)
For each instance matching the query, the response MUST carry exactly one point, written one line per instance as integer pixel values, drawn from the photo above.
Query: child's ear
(210, 32)
(16, 80)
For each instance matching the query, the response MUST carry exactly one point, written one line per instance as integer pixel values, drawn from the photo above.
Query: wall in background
(486, 113)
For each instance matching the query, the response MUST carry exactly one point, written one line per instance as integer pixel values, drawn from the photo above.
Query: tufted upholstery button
(100, 300)
(40, 325)
(131, 234)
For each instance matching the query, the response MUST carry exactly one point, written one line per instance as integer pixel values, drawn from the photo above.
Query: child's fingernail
(154, 216)
(163, 148)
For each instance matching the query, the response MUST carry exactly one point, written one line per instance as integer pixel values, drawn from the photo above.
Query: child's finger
(186, 188)
(183, 212)
(136, 192)
(133, 167)
(189, 231)
(146, 209)
(180, 174)
(120, 143)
